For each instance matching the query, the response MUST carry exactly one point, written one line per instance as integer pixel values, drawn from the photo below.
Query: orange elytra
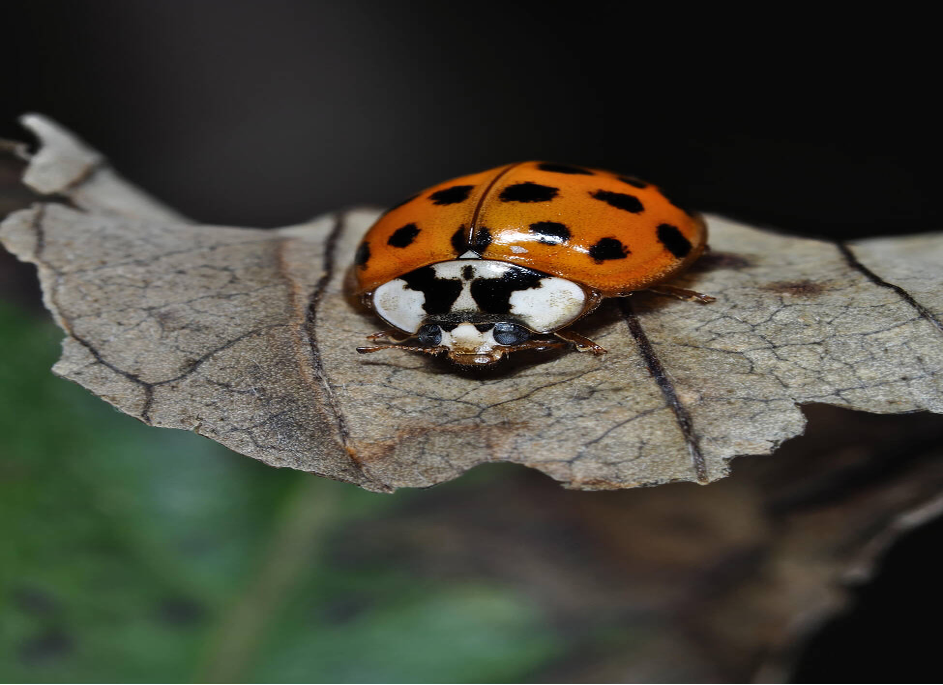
(527, 248)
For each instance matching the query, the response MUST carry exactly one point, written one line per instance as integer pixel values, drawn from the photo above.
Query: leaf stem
(297, 534)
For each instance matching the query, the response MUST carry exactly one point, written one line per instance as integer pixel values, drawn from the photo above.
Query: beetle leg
(388, 334)
(408, 348)
(582, 343)
(538, 345)
(681, 293)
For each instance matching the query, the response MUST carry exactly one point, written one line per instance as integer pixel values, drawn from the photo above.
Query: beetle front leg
(681, 293)
(392, 334)
(582, 343)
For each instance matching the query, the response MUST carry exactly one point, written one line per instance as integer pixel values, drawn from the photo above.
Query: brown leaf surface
(245, 336)
(683, 584)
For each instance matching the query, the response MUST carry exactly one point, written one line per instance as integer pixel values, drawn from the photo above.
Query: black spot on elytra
(468, 272)
(528, 192)
(451, 196)
(448, 325)
(440, 293)
(479, 241)
(460, 240)
(400, 204)
(674, 240)
(404, 236)
(623, 201)
(608, 248)
(482, 327)
(634, 182)
(363, 255)
(551, 232)
(563, 168)
(493, 295)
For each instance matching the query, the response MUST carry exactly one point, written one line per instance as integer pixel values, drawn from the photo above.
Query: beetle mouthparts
(474, 359)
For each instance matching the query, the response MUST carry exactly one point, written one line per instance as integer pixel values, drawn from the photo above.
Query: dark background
(267, 113)
(261, 114)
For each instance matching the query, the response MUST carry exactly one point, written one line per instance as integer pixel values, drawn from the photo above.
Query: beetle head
(471, 344)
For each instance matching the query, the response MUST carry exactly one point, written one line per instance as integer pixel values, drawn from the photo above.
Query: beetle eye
(509, 333)
(430, 335)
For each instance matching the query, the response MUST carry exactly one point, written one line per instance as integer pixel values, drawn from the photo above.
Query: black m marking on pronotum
(493, 295)
(440, 293)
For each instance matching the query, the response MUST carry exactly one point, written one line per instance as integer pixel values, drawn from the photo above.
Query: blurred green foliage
(139, 554)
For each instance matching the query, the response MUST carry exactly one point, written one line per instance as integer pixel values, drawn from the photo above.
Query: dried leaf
(245, 336)
(685, 584)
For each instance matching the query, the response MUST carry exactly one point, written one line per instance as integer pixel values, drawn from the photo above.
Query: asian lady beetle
(506, 259)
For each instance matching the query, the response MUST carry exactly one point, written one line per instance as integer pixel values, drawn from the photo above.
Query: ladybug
(506, 259)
